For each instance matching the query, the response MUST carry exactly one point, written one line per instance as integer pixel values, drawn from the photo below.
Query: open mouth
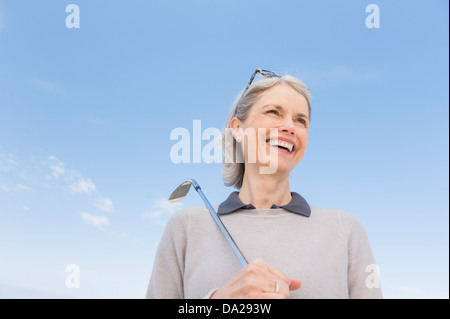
(281, 145)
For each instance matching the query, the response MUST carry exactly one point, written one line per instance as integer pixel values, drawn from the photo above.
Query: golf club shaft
(222, 227)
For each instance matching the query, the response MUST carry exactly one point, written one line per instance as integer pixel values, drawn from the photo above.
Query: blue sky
(86, 115)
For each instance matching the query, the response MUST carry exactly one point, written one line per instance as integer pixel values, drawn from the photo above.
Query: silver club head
(181, 191)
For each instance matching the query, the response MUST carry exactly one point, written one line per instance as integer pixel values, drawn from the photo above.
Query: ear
(235, 126)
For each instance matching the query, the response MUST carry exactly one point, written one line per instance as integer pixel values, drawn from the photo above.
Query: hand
(258, 280)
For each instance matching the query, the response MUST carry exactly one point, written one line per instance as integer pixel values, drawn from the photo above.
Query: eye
(301, 120)
(273, 112)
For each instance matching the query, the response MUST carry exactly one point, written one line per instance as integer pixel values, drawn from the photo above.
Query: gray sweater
(329, 252)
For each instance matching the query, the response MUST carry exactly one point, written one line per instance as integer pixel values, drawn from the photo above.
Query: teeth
(287, 145)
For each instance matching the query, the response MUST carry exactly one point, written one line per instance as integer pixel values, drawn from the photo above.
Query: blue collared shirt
(297, 205)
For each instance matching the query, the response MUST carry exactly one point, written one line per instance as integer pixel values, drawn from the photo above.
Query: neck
(264, 190)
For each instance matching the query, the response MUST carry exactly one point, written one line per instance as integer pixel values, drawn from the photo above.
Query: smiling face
(279, 120)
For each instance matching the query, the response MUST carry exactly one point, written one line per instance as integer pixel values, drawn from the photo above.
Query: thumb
(294, 284)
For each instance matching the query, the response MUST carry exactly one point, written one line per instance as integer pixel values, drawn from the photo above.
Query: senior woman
(294, 250)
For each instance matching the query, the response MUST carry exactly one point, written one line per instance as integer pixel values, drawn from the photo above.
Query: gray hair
(233, 163)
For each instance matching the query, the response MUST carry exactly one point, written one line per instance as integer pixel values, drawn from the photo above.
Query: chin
(275, 166)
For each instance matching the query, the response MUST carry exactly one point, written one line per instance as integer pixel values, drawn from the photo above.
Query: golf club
(181, 191)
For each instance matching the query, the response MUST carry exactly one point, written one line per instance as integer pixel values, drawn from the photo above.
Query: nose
(288, 127)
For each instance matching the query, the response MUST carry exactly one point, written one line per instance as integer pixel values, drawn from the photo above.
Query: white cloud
(7, 162)
(8, 165)
(104, 204)
(162, 209)
(57, 167)
(168, 207)
(21, 187)
(98, 221)
(85, 186)
(50, 173)
(76, 182)
(17, 188)
(58, 170)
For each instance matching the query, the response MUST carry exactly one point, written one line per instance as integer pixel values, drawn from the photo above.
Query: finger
(274, 276)
(273, 287)
(294, 284)
(260, 262)
(278, 274)
(273, 284)
(264, 265)
(279, 290)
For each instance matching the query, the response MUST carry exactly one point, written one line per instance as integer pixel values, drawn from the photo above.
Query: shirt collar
(297, 205)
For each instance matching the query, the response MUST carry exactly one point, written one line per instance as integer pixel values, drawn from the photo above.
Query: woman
(294, 250)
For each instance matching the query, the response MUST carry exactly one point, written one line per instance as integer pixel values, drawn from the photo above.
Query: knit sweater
(329, 252)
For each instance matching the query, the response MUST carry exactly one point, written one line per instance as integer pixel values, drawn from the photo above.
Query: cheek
(250, 145)
(303, 138)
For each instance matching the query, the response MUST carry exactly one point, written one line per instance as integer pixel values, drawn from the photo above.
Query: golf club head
(181, 191)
